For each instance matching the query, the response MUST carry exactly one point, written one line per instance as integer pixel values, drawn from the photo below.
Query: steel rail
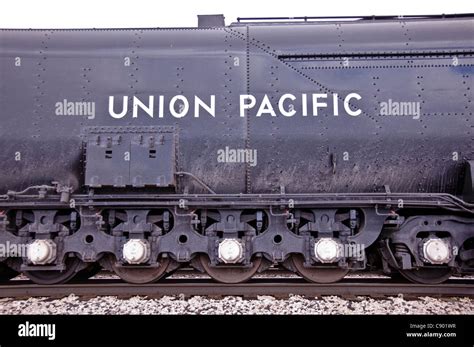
(281, 288)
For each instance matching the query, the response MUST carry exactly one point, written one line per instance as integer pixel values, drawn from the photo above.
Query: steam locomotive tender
(320, 146)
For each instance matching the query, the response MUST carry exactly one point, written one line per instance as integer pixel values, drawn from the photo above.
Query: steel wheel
(230, 274)
(427, 275)
(55, 276)
(318, 275)
(6, 273)
(140, 275)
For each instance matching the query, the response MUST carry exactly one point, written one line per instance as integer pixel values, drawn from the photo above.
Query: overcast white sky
(169, 13)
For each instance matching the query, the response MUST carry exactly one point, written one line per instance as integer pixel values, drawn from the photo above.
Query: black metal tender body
(280, 135)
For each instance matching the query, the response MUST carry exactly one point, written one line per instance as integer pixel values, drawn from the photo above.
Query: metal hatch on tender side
(128, 156)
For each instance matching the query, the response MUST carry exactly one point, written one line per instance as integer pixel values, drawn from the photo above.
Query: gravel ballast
(236, 305)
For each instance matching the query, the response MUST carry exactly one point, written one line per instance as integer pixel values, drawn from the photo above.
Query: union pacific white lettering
(178, 106)
(286, 105)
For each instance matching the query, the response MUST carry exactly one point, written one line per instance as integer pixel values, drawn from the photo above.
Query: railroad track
(278, 287)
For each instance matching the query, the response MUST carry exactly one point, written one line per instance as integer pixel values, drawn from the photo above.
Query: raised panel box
(130, 156)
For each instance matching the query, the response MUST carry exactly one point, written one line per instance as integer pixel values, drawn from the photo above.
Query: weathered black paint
(389, 59)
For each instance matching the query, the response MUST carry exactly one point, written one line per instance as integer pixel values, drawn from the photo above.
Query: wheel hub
(230, 251)
(436, 251)
(136, 251)
(327, 250)
(41, 252)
